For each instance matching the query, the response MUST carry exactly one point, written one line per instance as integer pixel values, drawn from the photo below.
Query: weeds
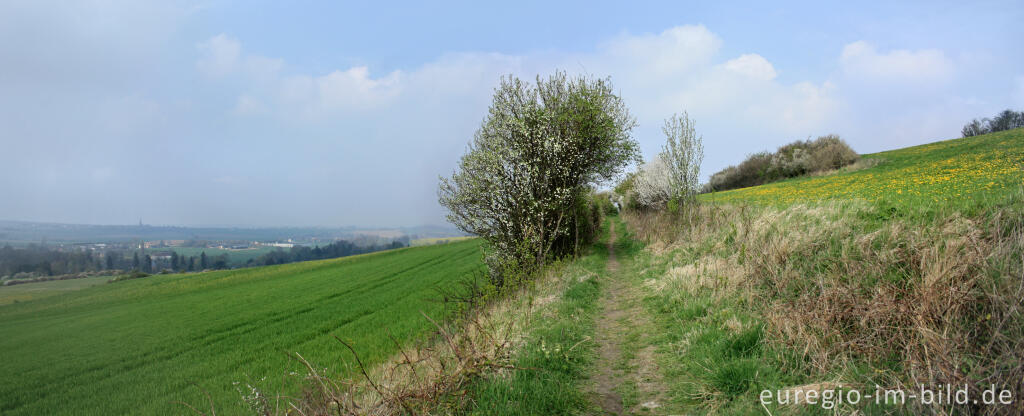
(846, 291)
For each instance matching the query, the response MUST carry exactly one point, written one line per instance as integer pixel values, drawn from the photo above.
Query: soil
(621, 313)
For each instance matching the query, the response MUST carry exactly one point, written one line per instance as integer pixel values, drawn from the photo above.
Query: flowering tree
(682, 154)
(530, 164)
(652, 185)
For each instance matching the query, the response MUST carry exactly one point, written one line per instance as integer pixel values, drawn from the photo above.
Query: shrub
(652, 184)
(795, 159)
(521, 185)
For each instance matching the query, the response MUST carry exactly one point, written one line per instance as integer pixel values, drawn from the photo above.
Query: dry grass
(922, 301)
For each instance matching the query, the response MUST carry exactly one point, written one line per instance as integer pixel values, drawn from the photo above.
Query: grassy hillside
(903, 274)
(133, 347)
(968, 171)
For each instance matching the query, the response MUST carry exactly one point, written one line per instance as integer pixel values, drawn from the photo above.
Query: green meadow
(136, 346)
(967, 172)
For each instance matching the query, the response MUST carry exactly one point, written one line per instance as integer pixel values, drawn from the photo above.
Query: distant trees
(523, 184)
(1005, 120)
(794, 159)
(340, 248)
(36, 261)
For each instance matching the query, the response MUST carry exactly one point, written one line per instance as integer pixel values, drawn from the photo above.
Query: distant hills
(24, 232)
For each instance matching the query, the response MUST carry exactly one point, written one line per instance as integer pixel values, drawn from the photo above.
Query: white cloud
(220, 56)
(753, 66)
(860, 61)
(657, 74)
(339, 91)
(649, 59)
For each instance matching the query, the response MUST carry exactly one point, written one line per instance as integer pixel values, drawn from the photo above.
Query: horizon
(268, 115)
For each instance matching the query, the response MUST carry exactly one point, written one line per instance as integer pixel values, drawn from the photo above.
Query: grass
(905, 273)
(968, 172)
(133, 347)
(553, 361)
(31, 291)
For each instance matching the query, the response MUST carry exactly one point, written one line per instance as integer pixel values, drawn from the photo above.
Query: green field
(134, 347)
(958, 172)
(29, 291)
(438, 240)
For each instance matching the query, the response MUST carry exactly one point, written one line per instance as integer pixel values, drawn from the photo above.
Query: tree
(202, 261)
(652, 184)
(682, 154)
(1005, 120)
(530, 163)
(135, 261)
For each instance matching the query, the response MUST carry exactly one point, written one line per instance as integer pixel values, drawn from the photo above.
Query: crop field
(29, 291)
(968, 171)
(135, 347)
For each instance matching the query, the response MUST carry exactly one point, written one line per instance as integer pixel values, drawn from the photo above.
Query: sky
(300, 113)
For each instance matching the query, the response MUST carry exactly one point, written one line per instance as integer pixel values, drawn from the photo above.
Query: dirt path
(624, 366)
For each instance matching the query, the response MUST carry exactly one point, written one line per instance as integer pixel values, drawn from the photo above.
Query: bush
(652, 184)
(522, 185)
(795, 159)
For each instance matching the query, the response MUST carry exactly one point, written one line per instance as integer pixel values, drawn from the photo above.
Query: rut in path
(621, 313)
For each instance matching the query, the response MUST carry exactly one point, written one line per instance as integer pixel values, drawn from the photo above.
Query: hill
(134, 347)
(960, 172)
(903, 274)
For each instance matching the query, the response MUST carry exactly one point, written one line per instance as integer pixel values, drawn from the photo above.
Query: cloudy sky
(332, 113)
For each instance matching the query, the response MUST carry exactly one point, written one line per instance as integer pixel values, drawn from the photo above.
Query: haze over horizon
(261, 114)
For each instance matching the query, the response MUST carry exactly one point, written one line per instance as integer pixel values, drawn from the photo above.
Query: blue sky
(334, 113)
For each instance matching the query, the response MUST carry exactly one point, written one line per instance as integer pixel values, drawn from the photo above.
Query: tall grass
(845, 291)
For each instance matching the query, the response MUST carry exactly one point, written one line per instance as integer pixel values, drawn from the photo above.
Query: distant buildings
(163, 243)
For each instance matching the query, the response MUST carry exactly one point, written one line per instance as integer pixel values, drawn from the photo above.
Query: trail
(625, 367)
